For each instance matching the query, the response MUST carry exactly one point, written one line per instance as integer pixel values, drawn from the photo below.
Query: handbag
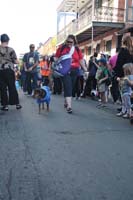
(63, 65)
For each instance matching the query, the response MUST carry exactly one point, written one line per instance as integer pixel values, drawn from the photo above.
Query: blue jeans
(31, 80)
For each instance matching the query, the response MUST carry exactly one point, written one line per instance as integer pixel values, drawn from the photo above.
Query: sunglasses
(32, 47)
(69, 42)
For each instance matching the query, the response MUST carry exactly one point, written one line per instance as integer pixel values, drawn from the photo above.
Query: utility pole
(77, 10)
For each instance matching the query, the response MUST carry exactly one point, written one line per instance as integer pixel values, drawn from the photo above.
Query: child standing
(126, 90)
(17, 77)
(101, 77)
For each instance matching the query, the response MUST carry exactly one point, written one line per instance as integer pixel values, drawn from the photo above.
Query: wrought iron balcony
(102, 14)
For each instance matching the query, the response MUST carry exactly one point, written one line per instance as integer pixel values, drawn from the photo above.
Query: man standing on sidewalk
(31, 61)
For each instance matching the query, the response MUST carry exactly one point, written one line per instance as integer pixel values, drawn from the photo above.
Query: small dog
(42, 95)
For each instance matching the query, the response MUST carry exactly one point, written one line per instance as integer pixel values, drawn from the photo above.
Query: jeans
(31, 80)
(126, 103)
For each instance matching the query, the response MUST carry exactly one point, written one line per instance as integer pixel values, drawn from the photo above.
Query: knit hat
(4, 38)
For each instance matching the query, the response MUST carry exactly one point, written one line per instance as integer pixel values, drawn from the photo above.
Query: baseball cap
(4, 38)
(102, 60)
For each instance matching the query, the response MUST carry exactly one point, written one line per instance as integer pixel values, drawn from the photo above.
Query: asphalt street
(87, 155)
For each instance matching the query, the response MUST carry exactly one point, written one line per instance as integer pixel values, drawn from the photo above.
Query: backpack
(63, 65)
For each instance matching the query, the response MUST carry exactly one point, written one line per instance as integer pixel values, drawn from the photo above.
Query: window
(98, 48)
(108, 46)
(89, 50)
(82, 51)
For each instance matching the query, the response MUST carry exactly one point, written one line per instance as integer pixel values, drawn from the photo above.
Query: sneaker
(65, 105)
(126, 116)
(120, 114)
(69, 110)
(18, 106)
(4, 108)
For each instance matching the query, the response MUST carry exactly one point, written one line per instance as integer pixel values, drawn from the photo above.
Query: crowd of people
(101, 77)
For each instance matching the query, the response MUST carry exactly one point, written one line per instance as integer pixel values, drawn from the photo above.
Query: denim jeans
(31, 80)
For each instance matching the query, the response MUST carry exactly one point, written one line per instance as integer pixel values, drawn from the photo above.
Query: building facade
(48, 47)
(97, 24)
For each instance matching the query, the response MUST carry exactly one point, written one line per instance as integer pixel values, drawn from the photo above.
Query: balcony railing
(102, 14)
(109, 14)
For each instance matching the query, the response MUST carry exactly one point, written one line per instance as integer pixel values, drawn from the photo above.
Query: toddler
(126, 90)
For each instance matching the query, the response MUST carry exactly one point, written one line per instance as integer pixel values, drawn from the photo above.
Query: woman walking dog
(69, 79)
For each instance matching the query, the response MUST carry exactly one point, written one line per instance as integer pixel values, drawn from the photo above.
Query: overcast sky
(28, 21)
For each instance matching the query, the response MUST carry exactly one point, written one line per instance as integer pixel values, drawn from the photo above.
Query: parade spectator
(112, 60)
(45, 68)
(56, 81)
(111, 65)
(23, 79)
(125, 55)
(91, 81)
(70, 78)
(8, 58)
(17, 77)
(79, 84)
(126, 90)
(31, 60)
(101, 77)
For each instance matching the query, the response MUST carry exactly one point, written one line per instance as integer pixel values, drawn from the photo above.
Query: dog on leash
(42, 96)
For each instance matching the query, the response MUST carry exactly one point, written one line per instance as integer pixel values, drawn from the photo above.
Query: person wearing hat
(101, 77)
(8, 58)
(31, 61)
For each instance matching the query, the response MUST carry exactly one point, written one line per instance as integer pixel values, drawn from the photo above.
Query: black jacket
(124, 57)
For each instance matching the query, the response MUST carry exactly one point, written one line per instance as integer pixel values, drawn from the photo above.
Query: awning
(97, 29)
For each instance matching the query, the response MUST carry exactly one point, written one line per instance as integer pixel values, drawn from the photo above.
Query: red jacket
(76, 57)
